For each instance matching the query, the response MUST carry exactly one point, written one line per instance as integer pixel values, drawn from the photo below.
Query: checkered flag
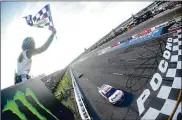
(42, 19)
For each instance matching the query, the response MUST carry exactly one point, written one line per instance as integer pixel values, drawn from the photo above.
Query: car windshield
(110, 92)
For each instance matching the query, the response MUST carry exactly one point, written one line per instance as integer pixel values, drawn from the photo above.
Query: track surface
(116, 69)
(129, 69)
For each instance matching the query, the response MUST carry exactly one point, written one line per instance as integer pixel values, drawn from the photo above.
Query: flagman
(24, 61)
(42, 19)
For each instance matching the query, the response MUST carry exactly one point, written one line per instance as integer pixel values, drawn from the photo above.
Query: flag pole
(51, 18)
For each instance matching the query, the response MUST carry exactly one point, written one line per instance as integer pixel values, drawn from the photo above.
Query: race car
(113, 95)
(80, 75)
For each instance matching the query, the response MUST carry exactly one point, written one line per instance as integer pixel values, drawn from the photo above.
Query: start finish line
(171, 55)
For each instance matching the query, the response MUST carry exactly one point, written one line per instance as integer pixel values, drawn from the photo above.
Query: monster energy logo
(12, 106)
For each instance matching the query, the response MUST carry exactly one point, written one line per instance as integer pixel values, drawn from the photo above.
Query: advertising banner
(163, 28)
(31, 100)
(115, 44)
(148, 36)
(142, 33)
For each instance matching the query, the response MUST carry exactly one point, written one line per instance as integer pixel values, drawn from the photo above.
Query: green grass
(64, 85)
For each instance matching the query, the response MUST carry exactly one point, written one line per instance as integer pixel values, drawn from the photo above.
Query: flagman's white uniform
(42, 19)
(24, 66)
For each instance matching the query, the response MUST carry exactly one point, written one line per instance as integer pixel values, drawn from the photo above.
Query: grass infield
(64, 92)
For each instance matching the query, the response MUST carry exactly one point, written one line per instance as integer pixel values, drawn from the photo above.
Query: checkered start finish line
(161, 107)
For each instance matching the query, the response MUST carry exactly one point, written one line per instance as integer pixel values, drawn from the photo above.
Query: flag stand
(51, 18)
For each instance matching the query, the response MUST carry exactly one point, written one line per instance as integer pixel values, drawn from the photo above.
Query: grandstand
(123, 27)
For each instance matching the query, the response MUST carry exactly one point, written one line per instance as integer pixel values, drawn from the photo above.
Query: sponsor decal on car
(118, 94)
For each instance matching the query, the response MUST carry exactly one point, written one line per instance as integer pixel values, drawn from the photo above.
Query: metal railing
(79, 100)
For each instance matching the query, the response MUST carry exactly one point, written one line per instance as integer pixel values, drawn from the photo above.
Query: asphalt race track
(132, 69)
(129, 69)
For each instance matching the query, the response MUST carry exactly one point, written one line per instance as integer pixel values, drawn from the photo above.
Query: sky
(79, 25)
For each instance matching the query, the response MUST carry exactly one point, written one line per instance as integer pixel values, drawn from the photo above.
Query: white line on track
(117, 74)
(131, 59)
(91, 82)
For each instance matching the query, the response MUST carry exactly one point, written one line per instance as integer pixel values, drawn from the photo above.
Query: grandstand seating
(152, 10)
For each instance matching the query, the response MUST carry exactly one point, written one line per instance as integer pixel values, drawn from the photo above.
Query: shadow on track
(127, 100)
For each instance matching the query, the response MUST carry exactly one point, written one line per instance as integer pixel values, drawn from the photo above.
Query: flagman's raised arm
(32, 52)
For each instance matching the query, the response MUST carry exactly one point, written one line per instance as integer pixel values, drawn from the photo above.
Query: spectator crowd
(160, 6)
